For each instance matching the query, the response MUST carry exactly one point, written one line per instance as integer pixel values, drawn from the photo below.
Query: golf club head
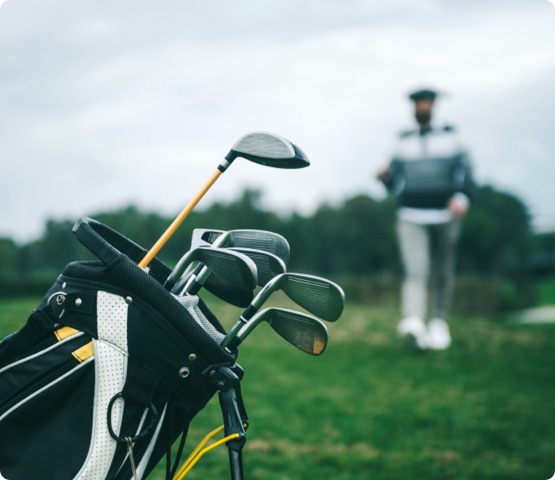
(258, 239)
(267, 264)
(204, 237)
(267, 149)
(267, 267)
(299, 329)
(319, 296)
(228, 291)
(238, 269)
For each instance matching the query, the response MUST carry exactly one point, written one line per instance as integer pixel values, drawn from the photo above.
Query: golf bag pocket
(44, 401)
(106, 374)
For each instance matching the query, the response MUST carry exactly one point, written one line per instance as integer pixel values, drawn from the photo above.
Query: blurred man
(431, 176)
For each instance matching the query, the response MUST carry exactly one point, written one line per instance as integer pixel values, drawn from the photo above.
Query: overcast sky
(107, 103)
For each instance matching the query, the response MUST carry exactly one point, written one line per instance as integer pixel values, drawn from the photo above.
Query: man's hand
(458, 209)
(382, 173)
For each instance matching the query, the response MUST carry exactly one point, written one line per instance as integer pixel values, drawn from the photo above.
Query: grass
(546, 292)
(369, 409)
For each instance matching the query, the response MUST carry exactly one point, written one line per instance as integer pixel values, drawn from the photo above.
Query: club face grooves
(270, 150)
(265, 146)
(260, 240)
(304, 332)
(317, 295)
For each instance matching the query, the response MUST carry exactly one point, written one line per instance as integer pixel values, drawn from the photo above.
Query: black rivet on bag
(78, 302)
(192, 357)
(128, 300)
(184, 372)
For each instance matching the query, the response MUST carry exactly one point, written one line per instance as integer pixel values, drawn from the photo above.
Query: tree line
(353, 240)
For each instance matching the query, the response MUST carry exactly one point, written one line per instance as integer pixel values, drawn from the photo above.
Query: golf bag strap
(108, 244)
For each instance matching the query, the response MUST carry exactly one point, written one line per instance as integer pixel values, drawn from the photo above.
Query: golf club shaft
(177, 222)
(200, 272)
(249, 312)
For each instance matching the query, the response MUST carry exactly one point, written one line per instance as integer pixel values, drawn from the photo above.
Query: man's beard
(423, 118)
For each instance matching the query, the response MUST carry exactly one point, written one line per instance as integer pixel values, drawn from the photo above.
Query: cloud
(112, 102)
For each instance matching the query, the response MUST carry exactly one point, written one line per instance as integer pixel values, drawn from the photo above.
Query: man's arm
(459, 203)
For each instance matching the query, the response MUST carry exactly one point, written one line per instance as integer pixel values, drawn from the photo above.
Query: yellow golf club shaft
(177, 222)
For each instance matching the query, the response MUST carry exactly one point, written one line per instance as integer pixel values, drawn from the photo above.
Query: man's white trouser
(428, 255)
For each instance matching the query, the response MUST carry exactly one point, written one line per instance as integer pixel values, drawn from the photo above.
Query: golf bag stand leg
(235, 421)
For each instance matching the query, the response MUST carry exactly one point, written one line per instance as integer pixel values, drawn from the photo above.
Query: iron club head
(238, 268)
(319, 296)
(267, 266)
(305, 332)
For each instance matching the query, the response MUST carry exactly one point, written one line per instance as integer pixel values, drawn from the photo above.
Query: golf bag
(108, 371)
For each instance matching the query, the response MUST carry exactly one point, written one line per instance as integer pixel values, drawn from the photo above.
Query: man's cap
(425, 94)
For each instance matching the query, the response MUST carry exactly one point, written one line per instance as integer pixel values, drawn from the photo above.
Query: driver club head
(268, 149)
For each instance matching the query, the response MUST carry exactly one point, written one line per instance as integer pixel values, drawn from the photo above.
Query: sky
(109, 103)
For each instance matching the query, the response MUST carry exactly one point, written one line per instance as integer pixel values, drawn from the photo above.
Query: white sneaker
(439, 336)
(414, 330)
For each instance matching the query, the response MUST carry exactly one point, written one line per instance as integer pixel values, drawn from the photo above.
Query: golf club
(267, 267)
(267, 264)
(305, 332)
(228, 291)
(317, 295)
(268, 250)
(229, 264)
(204, 237)
(259, 147)
(243, 238)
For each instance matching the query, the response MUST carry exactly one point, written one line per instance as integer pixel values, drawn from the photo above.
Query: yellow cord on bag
(198, 452)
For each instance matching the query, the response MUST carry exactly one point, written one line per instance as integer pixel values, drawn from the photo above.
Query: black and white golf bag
(108, 371)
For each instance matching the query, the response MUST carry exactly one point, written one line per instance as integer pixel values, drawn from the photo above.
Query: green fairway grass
(370, 409)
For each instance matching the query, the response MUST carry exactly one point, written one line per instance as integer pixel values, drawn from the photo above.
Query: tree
(354, 238)
(8, 258)
(496, 236)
